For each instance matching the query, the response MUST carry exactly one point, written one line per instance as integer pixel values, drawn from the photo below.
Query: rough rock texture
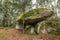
(54, 20)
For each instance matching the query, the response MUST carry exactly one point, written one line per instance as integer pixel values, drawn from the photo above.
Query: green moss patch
(3, 34)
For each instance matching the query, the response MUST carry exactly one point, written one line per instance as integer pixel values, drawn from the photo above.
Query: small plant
(30, 39)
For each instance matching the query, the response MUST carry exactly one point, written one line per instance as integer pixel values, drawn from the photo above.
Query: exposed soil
(17, 35)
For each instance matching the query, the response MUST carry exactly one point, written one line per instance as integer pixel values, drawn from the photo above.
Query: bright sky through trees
(34, 2)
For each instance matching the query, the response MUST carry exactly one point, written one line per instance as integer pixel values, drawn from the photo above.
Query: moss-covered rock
(54, 23)
(35, 15)
(31, 13)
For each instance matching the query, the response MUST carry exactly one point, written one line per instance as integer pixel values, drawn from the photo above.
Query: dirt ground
(17, 35)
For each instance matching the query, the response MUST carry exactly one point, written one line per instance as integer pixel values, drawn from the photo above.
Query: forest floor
(13, 34)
